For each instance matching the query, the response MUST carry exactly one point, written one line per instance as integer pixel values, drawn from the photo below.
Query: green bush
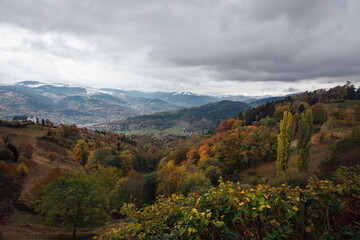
(254, 180)
(195, 181)
(213, 173)
(6, 155)
(320, 113)
(291, 178)
(129, 189)
(9, 189)
(268, 122)
(230, 211)
(150, 186)
(340, 155)
(14, 150)
(211, 162)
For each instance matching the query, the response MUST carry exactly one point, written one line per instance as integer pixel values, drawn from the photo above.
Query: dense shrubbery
(345, 153)
(232, 145)
(292, 178)
(37, 191)
(9, 189)
(194, 182)
(320, 113)
(6, 155)
(9, 193)
(323, 210)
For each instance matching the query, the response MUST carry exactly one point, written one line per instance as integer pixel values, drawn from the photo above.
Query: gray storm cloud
(191, 42)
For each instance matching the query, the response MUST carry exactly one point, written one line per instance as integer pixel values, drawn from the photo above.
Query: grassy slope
(25, 225)
(40, 165)
(28, 226)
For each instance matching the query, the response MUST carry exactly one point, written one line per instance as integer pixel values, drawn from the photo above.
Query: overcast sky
(251, 47)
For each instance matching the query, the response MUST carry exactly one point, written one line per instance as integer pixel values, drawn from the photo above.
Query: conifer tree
(284, 142)
(304, 140)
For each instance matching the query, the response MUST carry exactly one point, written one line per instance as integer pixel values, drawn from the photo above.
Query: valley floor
(27, 226)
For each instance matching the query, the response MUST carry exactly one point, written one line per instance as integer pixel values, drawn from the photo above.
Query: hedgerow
(323, 210)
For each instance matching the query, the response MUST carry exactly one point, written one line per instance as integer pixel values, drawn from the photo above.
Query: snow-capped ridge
(185, 93)
(36, 84)
(95, 91)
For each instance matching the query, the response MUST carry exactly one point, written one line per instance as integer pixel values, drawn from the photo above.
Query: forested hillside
(186, 121)
(149, 187)
(83, 105)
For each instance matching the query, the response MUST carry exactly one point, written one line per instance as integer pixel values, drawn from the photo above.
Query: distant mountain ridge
(186, 99)
(64, 103)
(73, 105)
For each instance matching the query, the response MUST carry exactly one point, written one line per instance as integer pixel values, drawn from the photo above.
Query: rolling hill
(186, 121)
(85, 106)
(73, 105)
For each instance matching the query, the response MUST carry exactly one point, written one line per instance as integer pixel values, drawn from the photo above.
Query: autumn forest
(288, 169)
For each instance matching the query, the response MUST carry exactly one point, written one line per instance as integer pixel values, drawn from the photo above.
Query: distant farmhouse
(20, 118)
(25, 119)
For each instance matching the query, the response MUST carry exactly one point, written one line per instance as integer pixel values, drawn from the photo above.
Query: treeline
(299, 102)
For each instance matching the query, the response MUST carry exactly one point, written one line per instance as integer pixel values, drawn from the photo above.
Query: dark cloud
(292, 90)
(195, 41)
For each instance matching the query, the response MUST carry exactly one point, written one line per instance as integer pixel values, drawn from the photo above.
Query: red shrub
(7, 170)
(38, 185)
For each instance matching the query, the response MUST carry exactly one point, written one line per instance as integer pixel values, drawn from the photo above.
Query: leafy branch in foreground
(323, 210)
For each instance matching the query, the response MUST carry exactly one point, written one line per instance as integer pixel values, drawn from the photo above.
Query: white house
(25, 119)
(31, 119)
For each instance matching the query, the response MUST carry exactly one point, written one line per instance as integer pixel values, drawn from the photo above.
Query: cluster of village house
(24, 119)
(30, 119)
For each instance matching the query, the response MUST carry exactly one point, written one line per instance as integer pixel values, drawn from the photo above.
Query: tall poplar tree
(284, 142)
(304, 140)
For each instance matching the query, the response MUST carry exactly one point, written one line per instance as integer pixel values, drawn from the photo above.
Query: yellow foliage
(92, 163)
(350, 118)
(193, 156)
(203, 152)
(340, 135)
(81, 152)
(22, 169)
(356, 131)
(284, 142)
(170, 177)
